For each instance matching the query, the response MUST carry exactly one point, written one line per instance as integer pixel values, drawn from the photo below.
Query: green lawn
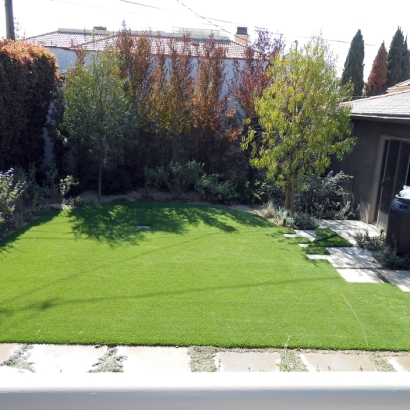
(200, 276)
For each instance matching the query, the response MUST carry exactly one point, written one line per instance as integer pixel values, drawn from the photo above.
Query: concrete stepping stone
(142, 359)
(337, 362)
(352, 258)
(400, 363)
(11, 371)
(65, 359)
(301, 234)
(359, 275)
(349, 225)
(7, 350)
(400, 278)
(247, 362)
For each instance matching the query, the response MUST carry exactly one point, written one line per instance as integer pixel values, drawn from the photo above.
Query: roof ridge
(375, 97)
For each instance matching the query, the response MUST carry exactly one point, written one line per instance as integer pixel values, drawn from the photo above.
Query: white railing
(237, 391)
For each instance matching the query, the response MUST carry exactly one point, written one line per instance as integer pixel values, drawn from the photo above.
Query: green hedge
(28, 79)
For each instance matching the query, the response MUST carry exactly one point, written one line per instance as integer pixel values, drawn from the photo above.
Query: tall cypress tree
(406, 61)
(376, 83)
(353, 68)
(395, 59)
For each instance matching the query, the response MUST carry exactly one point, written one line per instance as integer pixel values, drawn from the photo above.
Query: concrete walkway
(355, 264)
(71, 360)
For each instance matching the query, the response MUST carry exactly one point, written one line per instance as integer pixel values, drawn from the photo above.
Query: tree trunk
(288, 199)
(293, 195)
(293, 192)
(99, 179)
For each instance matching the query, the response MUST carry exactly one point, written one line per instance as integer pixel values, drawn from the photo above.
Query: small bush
(11, 192)
(175, 176)
(388, 257)
(269, 210)
(301, 220)
(211, 187)
(371, 243)
(269, 191)
(247, 191)
(324, 197)
(116, 181)
(54, 188)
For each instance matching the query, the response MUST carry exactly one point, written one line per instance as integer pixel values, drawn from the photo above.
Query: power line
(202, 17)
(143, 5)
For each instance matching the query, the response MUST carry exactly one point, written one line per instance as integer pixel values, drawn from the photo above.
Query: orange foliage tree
(377, 81)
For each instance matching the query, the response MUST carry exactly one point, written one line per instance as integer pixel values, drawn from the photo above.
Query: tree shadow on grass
(118, 223)
(7, 243)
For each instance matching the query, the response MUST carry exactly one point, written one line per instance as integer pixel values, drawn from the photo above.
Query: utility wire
(143, 5)
(204, 18)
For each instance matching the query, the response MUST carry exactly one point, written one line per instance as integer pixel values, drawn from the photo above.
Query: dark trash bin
(398, 228)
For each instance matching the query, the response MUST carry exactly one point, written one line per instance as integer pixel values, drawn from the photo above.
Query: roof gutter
(378, 118)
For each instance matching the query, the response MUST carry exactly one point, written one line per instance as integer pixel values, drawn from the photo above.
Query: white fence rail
(257, 391)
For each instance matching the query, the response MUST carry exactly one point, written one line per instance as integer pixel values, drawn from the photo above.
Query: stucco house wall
(365, 162)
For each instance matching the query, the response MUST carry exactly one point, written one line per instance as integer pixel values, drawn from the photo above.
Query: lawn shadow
(118, 223)
(7, 243)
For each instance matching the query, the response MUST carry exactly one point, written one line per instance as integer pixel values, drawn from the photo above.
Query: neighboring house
(380, 161)
(63, 42)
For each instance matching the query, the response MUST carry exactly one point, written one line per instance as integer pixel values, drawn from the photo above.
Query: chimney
(241, 36)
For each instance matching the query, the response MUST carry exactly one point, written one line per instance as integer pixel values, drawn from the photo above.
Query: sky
(297, 20)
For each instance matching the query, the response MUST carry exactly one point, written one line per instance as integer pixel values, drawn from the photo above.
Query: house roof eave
(381, 118)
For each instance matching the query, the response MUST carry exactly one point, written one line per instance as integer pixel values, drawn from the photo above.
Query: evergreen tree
(395, 60)
(376, 83)
(353, 68)
(406, 61)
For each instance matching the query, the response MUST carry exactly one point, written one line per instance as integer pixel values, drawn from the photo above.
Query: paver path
(71, 360)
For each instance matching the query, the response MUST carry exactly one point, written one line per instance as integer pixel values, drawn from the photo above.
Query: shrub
(175, 176)
(269, 210)
(116, 181)
(302, 220)
(324, 197)
(269, 190)
(11, 192)
(388, 257)
(246, 191)
(371, 243)
(54, 188)
(212, 188)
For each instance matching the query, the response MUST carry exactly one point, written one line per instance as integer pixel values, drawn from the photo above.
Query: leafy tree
(395, 59)
(302, 121)
(353, 68)
(97, 112)
(376, 83)
(249, 77)
(214, 124)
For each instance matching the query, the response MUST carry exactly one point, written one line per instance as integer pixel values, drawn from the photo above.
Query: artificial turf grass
(199, 276)
(316, 250)
(325, 237)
